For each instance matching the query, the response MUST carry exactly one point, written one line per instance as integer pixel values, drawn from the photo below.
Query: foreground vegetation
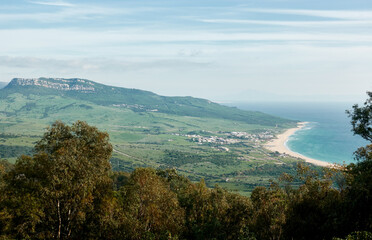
(66, 190)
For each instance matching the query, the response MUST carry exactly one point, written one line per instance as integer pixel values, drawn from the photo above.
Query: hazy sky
(217, 49)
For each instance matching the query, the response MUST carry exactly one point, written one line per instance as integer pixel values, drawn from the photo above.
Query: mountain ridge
(134, 99)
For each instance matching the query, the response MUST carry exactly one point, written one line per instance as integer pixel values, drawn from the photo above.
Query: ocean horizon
(328, 134)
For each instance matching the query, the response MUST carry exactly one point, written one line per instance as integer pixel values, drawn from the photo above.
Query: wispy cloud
(75, 37)
(291, 23)
(64, 15)
(53, 3)
(336, 14)
(144, 46)
(96, 64)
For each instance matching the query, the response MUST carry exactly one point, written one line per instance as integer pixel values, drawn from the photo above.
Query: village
(230, 138)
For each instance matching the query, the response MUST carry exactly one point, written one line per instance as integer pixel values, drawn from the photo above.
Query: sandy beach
(279, 145)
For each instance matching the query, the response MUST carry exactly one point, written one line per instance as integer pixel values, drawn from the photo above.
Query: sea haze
(327, 137)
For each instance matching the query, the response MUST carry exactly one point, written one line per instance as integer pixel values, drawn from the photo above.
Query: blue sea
(327, 137)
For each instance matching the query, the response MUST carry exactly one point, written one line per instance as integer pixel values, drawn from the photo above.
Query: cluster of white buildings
(231, 138)
(253, 137)
(213, 139)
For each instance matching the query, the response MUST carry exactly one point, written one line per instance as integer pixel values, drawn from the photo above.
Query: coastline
(279, 145)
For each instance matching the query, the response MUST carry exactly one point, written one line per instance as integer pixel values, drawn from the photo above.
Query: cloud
(84, 39)
(337, 14)
(144, 46)
(291, 23)
(96, 64)
(54, 3)
(69, 13)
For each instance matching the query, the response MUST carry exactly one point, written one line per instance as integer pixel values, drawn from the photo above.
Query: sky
(223, 50)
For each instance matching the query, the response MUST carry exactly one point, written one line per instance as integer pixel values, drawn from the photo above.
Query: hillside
(136, 100)
(200, 138)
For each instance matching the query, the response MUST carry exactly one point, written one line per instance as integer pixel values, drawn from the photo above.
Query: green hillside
(134, 99)
(200, 138)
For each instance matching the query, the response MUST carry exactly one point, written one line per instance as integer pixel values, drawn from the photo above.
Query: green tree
(269, 212)
(151, 209)
(361, 118)
(359, 191)
(5, 167)
(60, 190)
(215, 213)
(4, 215)
(314, 208)
(358, 235)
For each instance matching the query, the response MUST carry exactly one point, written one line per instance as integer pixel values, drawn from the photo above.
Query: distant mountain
(133, 99)
(3, 84)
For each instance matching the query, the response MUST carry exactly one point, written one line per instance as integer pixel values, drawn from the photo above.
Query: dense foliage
(66, 190)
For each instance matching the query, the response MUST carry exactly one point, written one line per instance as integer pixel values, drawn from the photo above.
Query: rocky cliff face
(74, 84)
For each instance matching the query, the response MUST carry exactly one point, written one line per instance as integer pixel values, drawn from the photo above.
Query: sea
(327, 137)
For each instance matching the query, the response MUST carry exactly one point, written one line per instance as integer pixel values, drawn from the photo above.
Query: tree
(151, 210)
(358, 235)
(60, 189)
(315, 207)
(269, 212)
(5, 166)
(4, 216)
(361, 119)
(215, 213)
(360, 190)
